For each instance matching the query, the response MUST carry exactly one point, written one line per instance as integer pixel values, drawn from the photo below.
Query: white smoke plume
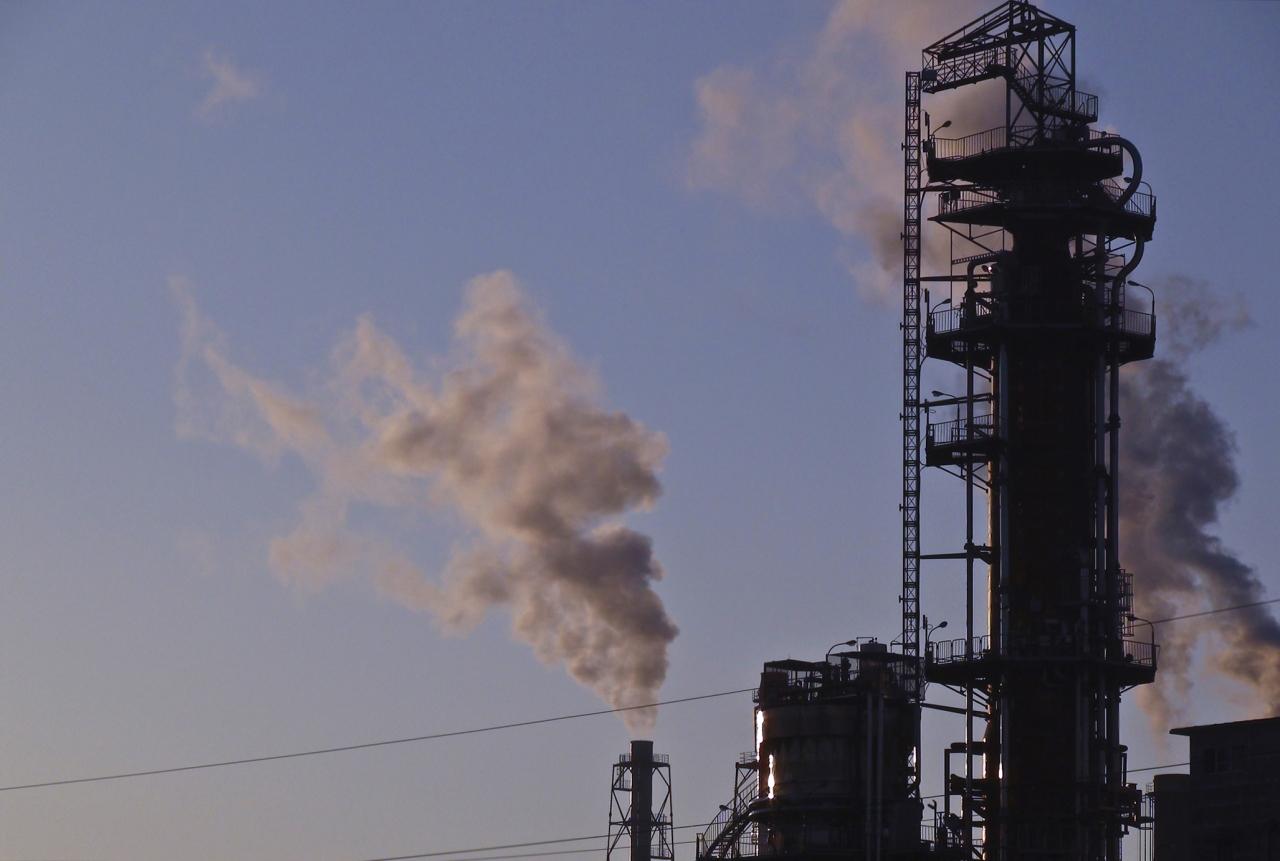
(820, 127)
(1177, 471)
(511, 440)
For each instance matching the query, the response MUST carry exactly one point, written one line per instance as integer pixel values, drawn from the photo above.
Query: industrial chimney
(632, 813)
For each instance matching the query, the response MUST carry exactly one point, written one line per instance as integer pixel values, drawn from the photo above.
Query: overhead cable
(472, 731)
(362, 746)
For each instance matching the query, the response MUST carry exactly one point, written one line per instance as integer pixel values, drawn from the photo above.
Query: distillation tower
(1042, 220)
(1022, 289)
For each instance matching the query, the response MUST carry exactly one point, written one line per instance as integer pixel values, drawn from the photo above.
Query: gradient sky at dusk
(300, 165)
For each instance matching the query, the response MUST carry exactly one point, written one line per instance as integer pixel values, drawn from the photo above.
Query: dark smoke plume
(511, 441)
(1177, 472)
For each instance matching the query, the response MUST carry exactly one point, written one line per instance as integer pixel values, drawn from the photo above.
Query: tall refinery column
(1040, 338)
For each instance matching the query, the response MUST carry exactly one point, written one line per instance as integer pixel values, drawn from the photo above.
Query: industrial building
(1041, 221)
(1228, 807)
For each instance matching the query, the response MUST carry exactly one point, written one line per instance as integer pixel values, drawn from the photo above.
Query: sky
(674, 204)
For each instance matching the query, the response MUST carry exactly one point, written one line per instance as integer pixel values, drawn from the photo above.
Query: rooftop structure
(1228, 807)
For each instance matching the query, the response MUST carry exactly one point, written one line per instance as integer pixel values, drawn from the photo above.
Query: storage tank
(835, 742)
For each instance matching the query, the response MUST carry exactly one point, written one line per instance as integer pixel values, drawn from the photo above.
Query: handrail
(959, 199)
(953, 200)
(1139, 652)
(961, 430)
(1022, 137)
(1139, 203)
(1135, 322)
(946, 321)
(727, 826)
(1059, 95)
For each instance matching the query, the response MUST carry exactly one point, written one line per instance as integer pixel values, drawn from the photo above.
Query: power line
(461, 732)
(363, 746)
(497, 848)
(523, 854)
(1218, 610)
(526, 854)
(521, 846)
(1156, 767)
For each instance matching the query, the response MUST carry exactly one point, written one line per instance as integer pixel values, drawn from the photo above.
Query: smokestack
(636, 814)
(641, 799)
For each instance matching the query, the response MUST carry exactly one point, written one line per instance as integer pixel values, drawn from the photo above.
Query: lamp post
(929, 630)
(838, 645)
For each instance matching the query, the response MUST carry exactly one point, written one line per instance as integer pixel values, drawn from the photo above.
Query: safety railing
(944, 321)
(955, 200)
(1059, 96)
(963, 649)
(971, 145)
(960, 431)
(663, 758)
(966, 67)
(1139, 203)
(714, 842)
(937, 835)
(1140, 653)
(1023, 136)
(1139, 323)
(947, 321)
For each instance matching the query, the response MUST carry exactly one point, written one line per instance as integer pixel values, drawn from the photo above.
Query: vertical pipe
(641, 799)
(1115, 776)
(1098, 630)
(879, 820)
(969, 300)
(869, 774)
(1000, 633)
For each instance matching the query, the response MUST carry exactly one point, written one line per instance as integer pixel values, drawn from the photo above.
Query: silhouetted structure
(831, 775)
(1045, 223)
(1228, 807)
(632, 813)
(1036, 313)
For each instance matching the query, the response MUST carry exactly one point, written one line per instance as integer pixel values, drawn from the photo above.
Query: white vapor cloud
(228, 84)
(820, 126)
(511, 441)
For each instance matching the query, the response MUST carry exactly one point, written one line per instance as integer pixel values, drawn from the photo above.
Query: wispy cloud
(228, 85)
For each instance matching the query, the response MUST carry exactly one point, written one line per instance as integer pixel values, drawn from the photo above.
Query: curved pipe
(1138, 247)
(1135, 179)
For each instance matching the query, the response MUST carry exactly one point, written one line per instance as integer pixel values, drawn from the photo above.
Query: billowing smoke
(1177, 472)
(819, 127)
(511, 440)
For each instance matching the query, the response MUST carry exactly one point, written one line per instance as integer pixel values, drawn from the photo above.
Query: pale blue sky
(384, 155)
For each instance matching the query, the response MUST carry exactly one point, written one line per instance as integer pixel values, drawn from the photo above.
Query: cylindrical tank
(835, 742)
